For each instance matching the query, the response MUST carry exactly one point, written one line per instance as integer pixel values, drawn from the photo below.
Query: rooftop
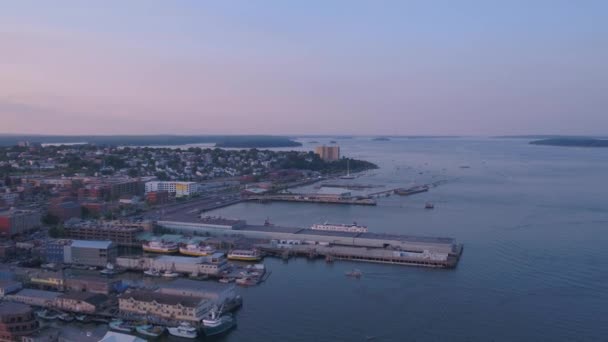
(189, 284)
(162, 298)
(88, 297)
(111, 336)
(50, 295)
(181, 259)
(13, 308)
(91, 244)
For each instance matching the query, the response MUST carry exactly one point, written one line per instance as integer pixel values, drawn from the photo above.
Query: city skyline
(353, 68)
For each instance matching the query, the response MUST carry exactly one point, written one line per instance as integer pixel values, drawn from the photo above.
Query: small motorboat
(152, 273)
(66, 317)
(355, 273)
(108, 270)
(226, 280)
(246, 281)
(82, 318)
(184, 330)
(429, 205)
(48, 315)
(150, 330)
(120, 325)
(169, 274)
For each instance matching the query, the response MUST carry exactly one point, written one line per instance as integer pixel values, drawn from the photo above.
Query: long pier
(312, 198)
(361, 254)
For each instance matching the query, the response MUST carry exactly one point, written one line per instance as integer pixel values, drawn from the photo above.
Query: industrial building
(91, 253)
(179, 189)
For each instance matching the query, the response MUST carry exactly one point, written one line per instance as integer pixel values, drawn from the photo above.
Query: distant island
(244, 141)
(381, 139)
(572, 142)
(257, 142)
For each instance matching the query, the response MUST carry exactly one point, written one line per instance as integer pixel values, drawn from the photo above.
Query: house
(165, 306)
(34, 297)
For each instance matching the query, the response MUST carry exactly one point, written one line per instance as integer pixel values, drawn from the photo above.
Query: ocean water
(533, 221)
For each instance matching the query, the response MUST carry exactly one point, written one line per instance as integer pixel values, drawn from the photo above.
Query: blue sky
(308, 67)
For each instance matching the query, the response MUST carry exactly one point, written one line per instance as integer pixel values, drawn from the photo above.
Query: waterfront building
(166, 306)
(211, 265)
(82, 302)
(176, 188)
(91, 253)
(16, 321)
(14, 222)
(34, 297)
(328, 153)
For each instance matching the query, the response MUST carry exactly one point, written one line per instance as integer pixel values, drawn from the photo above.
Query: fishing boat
(184, 330)
(82, 318)
(152, 272)
(150, 330)
(226, 280)
(245, 255)
(217, 324)
(247, 281)
(165, 247)
(355, 273)
(108, 270)
(196, 250)
(66, 317)
(48, 315)
(120, 325)
(170, 273)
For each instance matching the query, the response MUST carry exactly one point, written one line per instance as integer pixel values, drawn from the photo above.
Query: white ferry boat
(196, 250)
(159, 247)
(245, 255)
(330, 227)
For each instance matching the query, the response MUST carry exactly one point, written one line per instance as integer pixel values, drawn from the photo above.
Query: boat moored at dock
(245, 255)
(330, 227)
(217, 323)
(165, 247)
(192, 249)
(184, 330)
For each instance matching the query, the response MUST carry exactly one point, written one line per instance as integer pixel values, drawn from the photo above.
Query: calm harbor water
(534, 223)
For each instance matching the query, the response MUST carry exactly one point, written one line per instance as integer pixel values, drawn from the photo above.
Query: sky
(304, 67)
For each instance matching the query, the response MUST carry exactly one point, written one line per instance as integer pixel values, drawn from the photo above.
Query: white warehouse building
(173, 187)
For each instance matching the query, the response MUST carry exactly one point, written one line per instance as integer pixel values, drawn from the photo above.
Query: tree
(57, 231)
